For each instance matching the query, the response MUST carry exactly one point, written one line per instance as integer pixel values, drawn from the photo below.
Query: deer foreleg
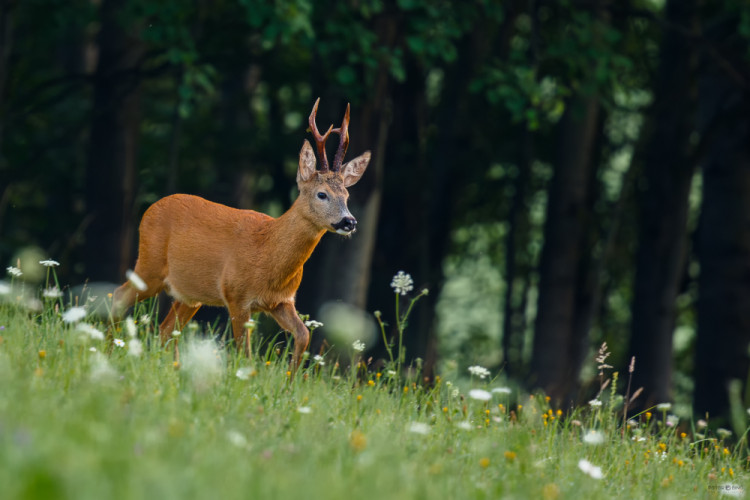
(286, 316)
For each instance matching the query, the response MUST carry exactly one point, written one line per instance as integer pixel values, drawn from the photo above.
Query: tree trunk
(723, 243)
(662, 221)
(110, 172)
(566, 226)
(514, 310)
(6, 38)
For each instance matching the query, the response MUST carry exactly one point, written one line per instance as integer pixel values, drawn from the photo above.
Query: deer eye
(322, 196)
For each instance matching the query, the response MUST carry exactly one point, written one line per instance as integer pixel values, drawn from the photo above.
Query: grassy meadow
(86, 415)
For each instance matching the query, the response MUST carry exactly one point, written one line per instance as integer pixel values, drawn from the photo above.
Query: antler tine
(343, 132)
(320, 140)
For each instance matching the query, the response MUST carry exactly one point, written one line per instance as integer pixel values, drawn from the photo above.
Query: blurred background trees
(558, 174)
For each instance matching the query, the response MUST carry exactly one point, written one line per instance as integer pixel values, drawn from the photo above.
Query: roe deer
(204, 253)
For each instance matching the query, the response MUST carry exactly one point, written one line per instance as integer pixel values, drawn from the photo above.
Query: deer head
(325, 190)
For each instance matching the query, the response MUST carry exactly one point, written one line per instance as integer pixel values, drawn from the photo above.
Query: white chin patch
(345, 233)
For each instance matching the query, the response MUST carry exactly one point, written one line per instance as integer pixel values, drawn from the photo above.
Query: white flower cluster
(358, 345)
(592, 470)
(74, 314)
(402, 283)
(480, 395)
(479, 371)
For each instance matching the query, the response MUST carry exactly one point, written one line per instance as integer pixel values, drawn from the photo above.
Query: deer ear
(306, 163)
(354, 169)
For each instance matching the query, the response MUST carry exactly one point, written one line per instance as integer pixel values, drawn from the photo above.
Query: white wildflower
(358, 345)
(304, 409)
(672, 420)
(49, 263)
(176, 333)
(249, 324)
(593, 437)
(101, 370)
(14, 271)
(391, 373)
(479, 371)
(119, 343)
(90, 330)
(465, 425)
(4, 288)
(502, 390)
(402, 283)
(664, 406)
(237, 438)
(590, 469)
(595, 403)
(130, 327)
(92, 349)
(455, 393)
(145, 319)
(312, 324)
(723, 433)
(701, 424)
(480, 395)
(244, 373)
(319, 360)
(203, 363)
(74, 314)
(419, 428)
(136, 280)
(52, 293)
(135, 347)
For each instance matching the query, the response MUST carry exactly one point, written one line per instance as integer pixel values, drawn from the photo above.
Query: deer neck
(294, 237)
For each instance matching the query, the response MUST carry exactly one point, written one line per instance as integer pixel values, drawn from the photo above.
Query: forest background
(558, 174)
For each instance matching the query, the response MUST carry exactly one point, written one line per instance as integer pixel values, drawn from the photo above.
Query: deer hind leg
(126, 295)
(179, 315)
(286, 316)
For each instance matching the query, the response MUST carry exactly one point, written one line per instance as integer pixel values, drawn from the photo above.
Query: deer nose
(346, 225)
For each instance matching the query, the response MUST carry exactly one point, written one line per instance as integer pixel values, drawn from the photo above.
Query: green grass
(80, 424)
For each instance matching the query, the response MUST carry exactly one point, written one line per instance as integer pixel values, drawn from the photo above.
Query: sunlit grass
(82, 417)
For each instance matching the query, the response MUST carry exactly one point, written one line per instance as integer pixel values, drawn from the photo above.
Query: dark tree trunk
(514, 313)
(565, 235)
(6, 38)
(110, 172)
(723, 243)
(663, 200)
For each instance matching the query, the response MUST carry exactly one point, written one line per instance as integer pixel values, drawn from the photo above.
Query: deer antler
(320, 140)
(343, 132)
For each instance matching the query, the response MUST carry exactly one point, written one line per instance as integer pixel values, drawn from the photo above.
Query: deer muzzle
(347, 225)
